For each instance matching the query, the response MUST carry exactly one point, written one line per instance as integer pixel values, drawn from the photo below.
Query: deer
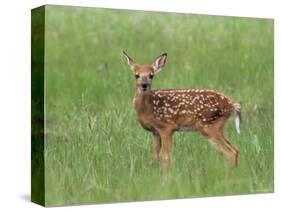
(166, 111)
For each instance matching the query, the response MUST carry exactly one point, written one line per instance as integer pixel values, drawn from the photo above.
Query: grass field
(95, 150)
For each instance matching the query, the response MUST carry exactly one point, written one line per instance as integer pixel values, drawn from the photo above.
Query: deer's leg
(156, 147)
(232, 148)
(215, 135)
(166, 140)
(228, 150)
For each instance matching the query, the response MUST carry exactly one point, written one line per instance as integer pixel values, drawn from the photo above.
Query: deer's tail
(237, 116)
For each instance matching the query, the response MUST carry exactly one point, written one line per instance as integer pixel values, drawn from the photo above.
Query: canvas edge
(37, 105)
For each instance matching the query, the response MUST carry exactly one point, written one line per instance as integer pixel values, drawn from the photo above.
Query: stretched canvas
(102, 132)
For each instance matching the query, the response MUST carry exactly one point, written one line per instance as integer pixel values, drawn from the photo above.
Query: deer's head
(145, 73)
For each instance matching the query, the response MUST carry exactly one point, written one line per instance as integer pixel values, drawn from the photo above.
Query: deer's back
(184, 107)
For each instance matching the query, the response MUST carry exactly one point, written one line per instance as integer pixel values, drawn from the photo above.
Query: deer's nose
(144, 85)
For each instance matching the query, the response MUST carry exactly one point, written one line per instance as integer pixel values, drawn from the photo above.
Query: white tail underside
(237, 110)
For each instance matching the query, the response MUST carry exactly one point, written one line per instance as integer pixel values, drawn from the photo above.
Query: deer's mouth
(143, 89)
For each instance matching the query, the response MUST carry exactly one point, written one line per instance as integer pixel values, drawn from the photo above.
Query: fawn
(166, 111)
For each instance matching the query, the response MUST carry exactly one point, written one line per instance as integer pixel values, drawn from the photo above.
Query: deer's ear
(159, 63)
(130, 61)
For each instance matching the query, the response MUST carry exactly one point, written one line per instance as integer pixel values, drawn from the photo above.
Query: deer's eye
(137, 76)
(151, 76)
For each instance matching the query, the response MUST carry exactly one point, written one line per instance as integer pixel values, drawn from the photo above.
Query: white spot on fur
(170, 110)
(183, 112)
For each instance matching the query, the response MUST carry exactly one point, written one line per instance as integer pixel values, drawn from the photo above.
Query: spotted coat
(201, 104)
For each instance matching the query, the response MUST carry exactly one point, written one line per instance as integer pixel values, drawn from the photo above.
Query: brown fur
(165, 111)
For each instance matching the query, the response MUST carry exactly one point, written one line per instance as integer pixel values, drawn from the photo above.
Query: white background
(15, 104)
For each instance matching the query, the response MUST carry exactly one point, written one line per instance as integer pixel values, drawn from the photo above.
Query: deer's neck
(142, 101)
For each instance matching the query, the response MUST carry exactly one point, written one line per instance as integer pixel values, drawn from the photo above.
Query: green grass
(95, 150)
